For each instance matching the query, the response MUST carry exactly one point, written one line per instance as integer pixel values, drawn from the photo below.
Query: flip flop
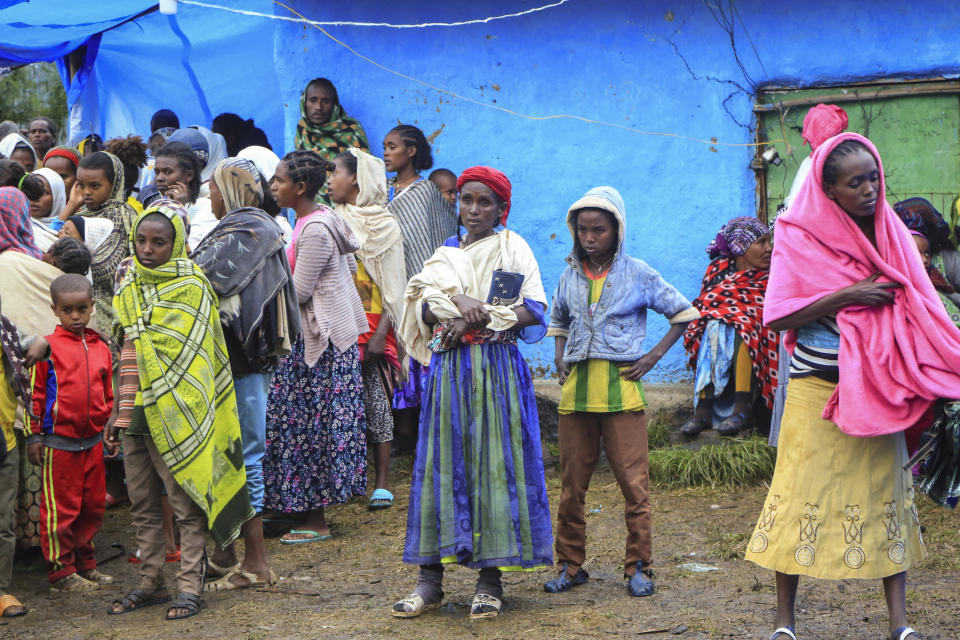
(381, 499)
(314, 537)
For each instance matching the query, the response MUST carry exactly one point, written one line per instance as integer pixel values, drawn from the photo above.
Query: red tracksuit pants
(71, 512)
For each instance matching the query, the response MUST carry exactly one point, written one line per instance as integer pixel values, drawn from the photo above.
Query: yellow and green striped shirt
(594, 385)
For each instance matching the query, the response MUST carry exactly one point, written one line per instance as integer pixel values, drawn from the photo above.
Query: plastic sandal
(381, 499)
(314, 537)
(8, 602)
(137, 599)
(784, 631)
(412, 606)
(188, 601)
(563, 582)
(224, 584)
(903, 633)
(485, 606)
(734, 424)
(217, 571)
(640, 584)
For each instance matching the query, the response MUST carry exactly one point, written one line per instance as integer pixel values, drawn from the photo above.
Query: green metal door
(916, 128)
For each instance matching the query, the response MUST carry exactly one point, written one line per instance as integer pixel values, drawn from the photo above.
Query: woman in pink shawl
(872, 348)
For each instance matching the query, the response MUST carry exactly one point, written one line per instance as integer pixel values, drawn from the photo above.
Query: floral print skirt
(316, 448)
(838, 507)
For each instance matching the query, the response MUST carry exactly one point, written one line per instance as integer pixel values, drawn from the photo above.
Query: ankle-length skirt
(839, 507)
(316, 453)
(478, 495)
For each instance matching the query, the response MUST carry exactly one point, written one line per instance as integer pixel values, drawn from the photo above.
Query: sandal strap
(784, 631)
(186, 600)
(903, 633)
(414, 601)
(7, 601)
(486, 598)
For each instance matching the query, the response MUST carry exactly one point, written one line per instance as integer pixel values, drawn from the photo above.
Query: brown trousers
(146, 474)
(624, 438)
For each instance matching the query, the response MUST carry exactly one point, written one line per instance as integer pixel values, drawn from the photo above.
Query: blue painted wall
(664, 67)
(618, 62)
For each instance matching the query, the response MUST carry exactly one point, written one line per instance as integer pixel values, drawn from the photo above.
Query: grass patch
(658, 432)
(727, 545)
(741, 463)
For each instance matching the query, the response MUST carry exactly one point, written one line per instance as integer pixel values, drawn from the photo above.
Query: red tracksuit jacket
(73, 389)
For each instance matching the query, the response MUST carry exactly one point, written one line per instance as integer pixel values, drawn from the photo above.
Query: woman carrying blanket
(177, 409)
(244, 259)
(728, 343)
(871, 349)
(478, 496)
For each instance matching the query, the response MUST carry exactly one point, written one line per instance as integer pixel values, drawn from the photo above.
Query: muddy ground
(343, 588)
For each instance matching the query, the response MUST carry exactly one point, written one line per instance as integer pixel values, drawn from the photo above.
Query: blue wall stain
(611, 61)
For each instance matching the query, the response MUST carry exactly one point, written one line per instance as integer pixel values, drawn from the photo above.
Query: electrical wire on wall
(300, 18)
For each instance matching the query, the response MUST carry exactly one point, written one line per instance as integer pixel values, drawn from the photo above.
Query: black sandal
(138, 599)
(692, 427)
(187, 601)
(734, 424)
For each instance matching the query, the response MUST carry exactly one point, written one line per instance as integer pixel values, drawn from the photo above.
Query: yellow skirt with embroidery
(838, 507)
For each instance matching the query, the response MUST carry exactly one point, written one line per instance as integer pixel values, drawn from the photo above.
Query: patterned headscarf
(495, 179)
(736, 236)
(920, 215)
(335, 136)
(112, 251)
(239, 184)
(16, 227)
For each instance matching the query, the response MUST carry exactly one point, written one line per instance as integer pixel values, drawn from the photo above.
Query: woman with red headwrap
(478, 496)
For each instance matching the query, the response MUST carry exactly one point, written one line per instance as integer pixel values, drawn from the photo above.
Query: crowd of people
(234, 332)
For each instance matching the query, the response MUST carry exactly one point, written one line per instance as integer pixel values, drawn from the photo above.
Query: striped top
(595, 385)
(426, 220)
(818, 350)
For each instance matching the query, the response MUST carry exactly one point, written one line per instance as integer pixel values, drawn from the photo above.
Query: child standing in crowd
(478, 496)
(446, 181)
(72, 400)
(358, 188)
(99, 193)
(316, 449)
(177, 409)
(599, 322)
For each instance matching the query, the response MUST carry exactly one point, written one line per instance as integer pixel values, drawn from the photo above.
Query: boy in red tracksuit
(73, 399)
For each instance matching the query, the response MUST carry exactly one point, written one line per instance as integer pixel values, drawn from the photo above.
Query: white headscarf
(8, 144)
(217, 151)
(95, 231)
(264, 159)
(377, 232)
(57, 190)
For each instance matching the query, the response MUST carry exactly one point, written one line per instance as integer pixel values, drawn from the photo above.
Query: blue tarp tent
(131, 60)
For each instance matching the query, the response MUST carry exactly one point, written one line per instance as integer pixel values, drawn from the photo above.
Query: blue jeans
(251, 393)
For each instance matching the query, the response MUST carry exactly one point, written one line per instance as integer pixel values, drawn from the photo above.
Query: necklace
(398, 187)
(599, 267)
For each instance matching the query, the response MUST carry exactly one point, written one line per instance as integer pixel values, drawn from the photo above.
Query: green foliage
(33, 90)
(658, 432)
(739, 463)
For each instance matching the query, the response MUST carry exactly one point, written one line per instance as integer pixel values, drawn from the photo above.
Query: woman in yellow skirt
(846, 289)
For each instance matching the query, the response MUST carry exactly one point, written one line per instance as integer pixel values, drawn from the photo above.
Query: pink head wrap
(895, 359)
(493, 178)
(822, 123)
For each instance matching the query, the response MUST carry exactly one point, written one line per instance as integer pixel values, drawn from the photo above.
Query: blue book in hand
(504, 288)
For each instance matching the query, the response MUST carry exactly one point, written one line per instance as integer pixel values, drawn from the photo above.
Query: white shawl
(451, 271)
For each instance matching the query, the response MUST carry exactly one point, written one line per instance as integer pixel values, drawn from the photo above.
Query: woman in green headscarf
(324, 127)
(178, 409)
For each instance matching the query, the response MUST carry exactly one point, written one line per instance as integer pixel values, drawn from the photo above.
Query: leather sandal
(563, 582)
(485, 606)
(184, 600)
(412, 606)
(640, 584)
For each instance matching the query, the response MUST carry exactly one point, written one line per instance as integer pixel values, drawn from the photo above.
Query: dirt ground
(343, 588)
